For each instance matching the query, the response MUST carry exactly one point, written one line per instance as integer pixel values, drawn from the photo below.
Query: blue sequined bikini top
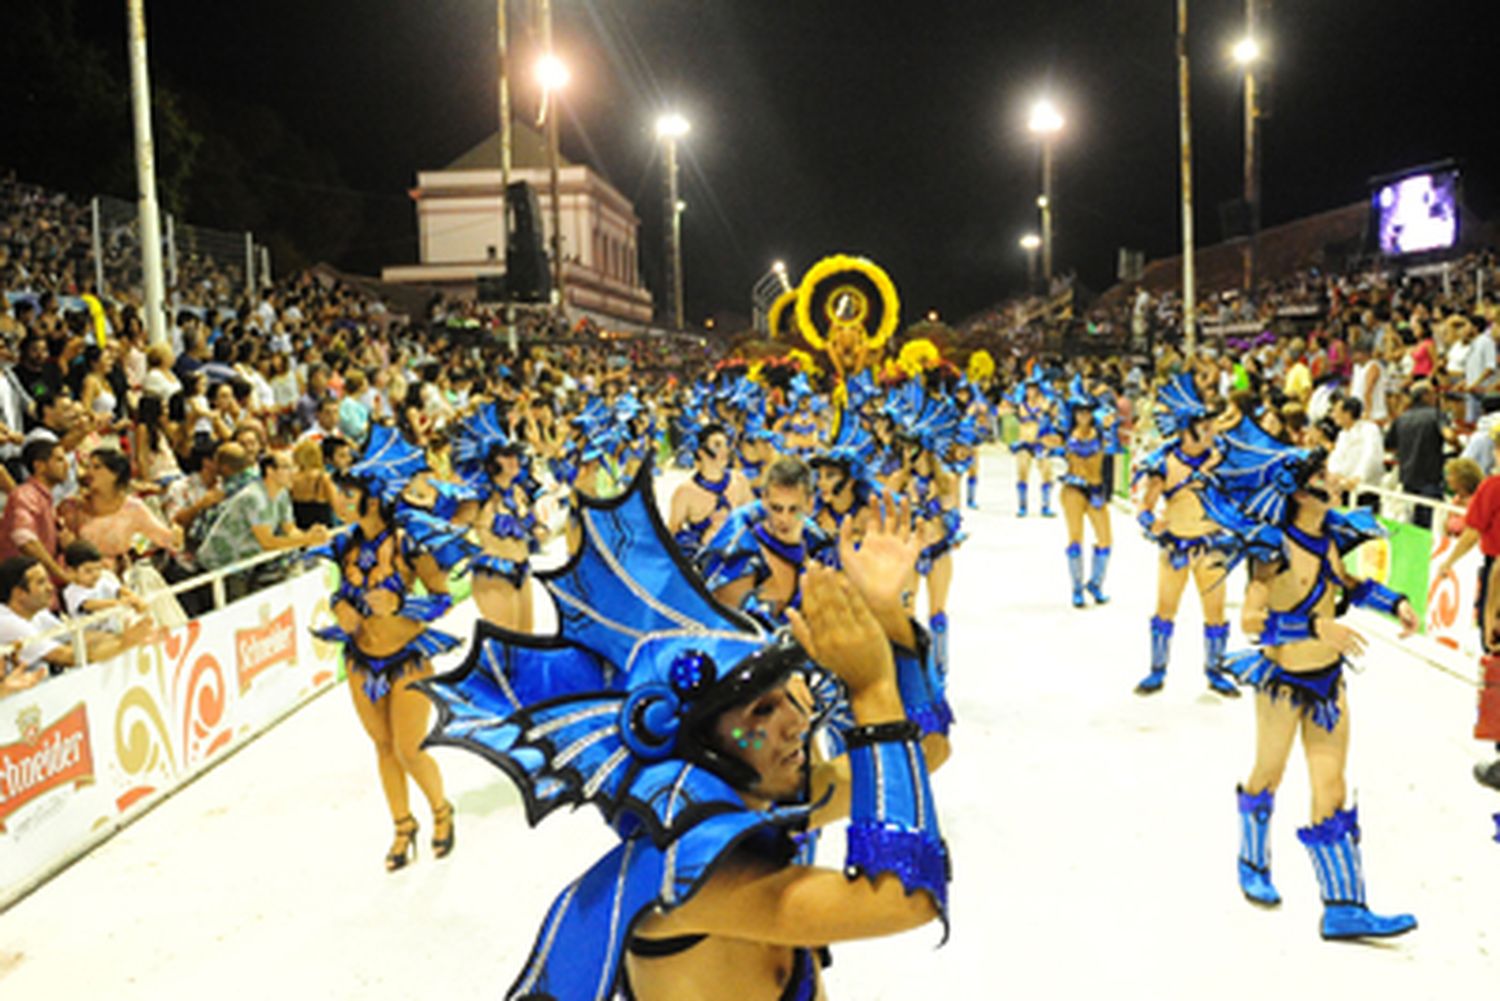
(1195, 474)
(367, 556)
(1085, 448)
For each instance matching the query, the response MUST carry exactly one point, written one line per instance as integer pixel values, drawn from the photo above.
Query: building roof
(528, 149)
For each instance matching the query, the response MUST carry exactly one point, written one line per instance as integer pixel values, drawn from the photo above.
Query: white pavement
(1093, 835)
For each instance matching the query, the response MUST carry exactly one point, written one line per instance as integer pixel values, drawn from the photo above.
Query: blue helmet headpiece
(612, 711)
(389, 462)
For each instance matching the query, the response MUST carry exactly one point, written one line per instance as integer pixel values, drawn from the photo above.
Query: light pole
(1247, 53)
(669, 129)
(502, 42)
(779, 268)
(145, 176)
(552, 73)
(1185, 166)
(1045, 123)
(1031, 243)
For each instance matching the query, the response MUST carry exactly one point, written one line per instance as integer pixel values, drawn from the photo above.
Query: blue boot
(1021, 502)
(1215, 639)
(1075, 569)
(971, 486)
(1161, 643)
(938, 627)
(1255, 851)
(1047, 511)
(1096, 578)
(1334, 847)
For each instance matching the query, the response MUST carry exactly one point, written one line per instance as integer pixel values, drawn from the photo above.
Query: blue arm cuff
(1370, 594)
(892, 820)
(924, 693)
(1282, 628)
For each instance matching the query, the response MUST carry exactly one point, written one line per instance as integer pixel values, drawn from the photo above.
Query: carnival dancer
(385, 628)
(688, 728)
(1180, 472)
(1090, 435)
(845, 485)
(755, 561)
(507, 528)
(972, 404)
(1035, 414)
(702, 504)
(756, 453)
(1295, 597)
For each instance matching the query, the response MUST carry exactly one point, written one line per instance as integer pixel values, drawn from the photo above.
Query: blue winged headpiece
(609, 712)
(389, 462)
(1178, 405)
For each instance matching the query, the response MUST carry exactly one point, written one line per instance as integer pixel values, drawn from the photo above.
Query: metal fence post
(97, 246)
(171, 252)
(249, 265)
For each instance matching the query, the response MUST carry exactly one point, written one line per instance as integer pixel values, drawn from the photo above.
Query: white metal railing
(76, 625)
(1437, 504)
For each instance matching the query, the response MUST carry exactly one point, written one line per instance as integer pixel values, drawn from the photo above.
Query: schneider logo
(45, 758)
(262, 647)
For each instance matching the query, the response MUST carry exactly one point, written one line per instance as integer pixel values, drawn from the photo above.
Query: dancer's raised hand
(882, 565)
(837, 629)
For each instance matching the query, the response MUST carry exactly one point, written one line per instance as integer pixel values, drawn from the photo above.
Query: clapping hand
(837, 629)
(882, 565)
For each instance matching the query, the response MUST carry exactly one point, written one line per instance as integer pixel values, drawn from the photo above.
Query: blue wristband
(1282, 628)
(1146, 519)
(1371, 594)
(893, 824)
(924, 693)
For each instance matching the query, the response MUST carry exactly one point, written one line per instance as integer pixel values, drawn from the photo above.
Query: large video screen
(1417, 213)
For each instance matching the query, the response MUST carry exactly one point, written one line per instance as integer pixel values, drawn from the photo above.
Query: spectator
(39, 375)
(108, 515)
(198, 490)
(1417, 438)
(312, 488)
(256, 518)
(325, 422)
(161, 381)
(1358, 457)
(26, 598)
(95, 587)
(28, 526)
(354, 410)
(1479, 371)
(156, 461)
(1462, 477)
(308, 403)
(1368, 384)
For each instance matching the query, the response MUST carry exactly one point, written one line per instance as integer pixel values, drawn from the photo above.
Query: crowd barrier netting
(83, 754)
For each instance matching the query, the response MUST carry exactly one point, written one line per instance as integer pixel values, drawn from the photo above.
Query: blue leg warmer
(972, 486)
(1334, 848)
(1021, 499)
(1096, 578)
(1255, 850)
(1161, 644)
(1047, 500)
(938, 627)
(1075, 569)
(1215, 639)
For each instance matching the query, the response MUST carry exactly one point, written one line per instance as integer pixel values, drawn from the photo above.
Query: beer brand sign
(261, 647)
(45, 758)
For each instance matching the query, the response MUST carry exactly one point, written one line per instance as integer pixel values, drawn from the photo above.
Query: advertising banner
(83, 753)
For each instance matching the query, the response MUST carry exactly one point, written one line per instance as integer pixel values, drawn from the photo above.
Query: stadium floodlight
(1246, 51)
(1031, 242)
(671, 126)
(1045, 119)
(552, 73)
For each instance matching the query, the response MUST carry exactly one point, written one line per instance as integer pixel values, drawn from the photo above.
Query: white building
(458, 229)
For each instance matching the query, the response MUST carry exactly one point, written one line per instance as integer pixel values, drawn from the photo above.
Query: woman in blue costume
(1036, 436)
(385, 628)
(688, 729)
(1299, 587)
(1090, 437)
(506, 526)
(1188, 531)
(702, 503)
(799, 429)
(757, 451)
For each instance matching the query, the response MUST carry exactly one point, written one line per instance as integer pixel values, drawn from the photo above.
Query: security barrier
(83, 754)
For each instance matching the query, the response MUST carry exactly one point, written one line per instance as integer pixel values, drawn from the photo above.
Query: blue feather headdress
(389, 462)
(1178, 405)
(607, 712)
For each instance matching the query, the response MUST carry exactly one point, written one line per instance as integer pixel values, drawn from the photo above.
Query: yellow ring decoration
(834, 265)
(858, 298)
(783, 301)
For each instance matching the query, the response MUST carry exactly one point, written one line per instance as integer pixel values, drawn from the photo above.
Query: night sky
(894, 130)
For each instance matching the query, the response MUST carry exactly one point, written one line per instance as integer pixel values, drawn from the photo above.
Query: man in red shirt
(29, 525)
(1482, 526)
